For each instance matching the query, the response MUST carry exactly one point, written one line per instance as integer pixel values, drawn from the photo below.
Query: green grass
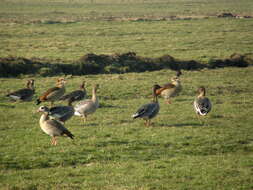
(67, 30)
(112, 151)
(197, 39)
(98, 9)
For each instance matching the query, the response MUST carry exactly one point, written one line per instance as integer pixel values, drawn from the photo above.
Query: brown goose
(170, 90)
(53, 94)
(150, 110)
(76, 95)
(52, 127)
(24, 94)
(89, 106)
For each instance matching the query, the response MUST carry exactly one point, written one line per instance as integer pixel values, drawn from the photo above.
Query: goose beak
(38, 110)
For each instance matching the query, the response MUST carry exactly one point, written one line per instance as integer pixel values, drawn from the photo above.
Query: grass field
(112, 151)
(67, 30)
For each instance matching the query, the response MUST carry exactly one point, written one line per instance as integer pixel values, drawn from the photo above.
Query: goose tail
(69, 134)
(38, 101)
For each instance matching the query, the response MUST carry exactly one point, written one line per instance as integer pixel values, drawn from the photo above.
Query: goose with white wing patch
(150, 110)
(52, 127)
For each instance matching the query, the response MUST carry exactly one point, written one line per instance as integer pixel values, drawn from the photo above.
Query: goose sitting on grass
(24, 94)
(53, 94)
(62, 113)
(170, 90)
(202, 105)
(150, 110)
(52, 127)
(88, 106)
(76, 95)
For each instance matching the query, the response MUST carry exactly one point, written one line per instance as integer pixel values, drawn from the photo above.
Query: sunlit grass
(68, 30)
(112, 151)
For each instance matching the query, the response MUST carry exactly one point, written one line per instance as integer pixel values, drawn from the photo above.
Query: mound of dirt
(115, 63)
(235, 60)
(222, 15)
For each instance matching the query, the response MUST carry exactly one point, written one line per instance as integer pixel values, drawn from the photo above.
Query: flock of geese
(53, 118)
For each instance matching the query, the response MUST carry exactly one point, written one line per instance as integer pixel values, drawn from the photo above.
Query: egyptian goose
(62, 113)
(150, 110)
(170, 90)
(76, 95)
(53, 94)
(52, 127)
(88, 106)
(202, 105)
(24, 94)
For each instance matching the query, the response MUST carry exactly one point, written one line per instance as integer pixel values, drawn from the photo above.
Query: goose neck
(43, 118)
(201, 94)
(94, 95)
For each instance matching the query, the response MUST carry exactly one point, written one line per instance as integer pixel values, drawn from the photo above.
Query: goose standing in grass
(202, 105)
(88, 106)
(62, 113)
(53, 94)
(170, 90)
(24, 94)
(76, 95)
(52, 127)
(150, 110)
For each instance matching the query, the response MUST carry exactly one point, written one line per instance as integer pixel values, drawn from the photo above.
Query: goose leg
(168, 101)
(55, 141)
(200, 121)
(206, 121)
(52, 141)
(84, 117)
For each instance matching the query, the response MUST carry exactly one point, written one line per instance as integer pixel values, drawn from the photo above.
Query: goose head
(155, 87)
(96, 87)
(61, 82)
(175, 80)
(201, 91)
(28, 83)
(178, 73)
(43, 109)
(82, 87)
(31, 84)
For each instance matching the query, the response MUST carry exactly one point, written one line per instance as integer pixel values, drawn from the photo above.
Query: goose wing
(58, 129)
(165, 87)
(84, 107)
(21, 94)
(202, 106)
(61, 112)
(147, 110)
(50, 93)
(76, 95)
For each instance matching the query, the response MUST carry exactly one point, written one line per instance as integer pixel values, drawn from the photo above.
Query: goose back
(24, 94)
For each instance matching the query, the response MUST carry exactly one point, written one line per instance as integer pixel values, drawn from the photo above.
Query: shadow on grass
(180, 125)
(110, 106)
(7, 106)
(87, 124)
